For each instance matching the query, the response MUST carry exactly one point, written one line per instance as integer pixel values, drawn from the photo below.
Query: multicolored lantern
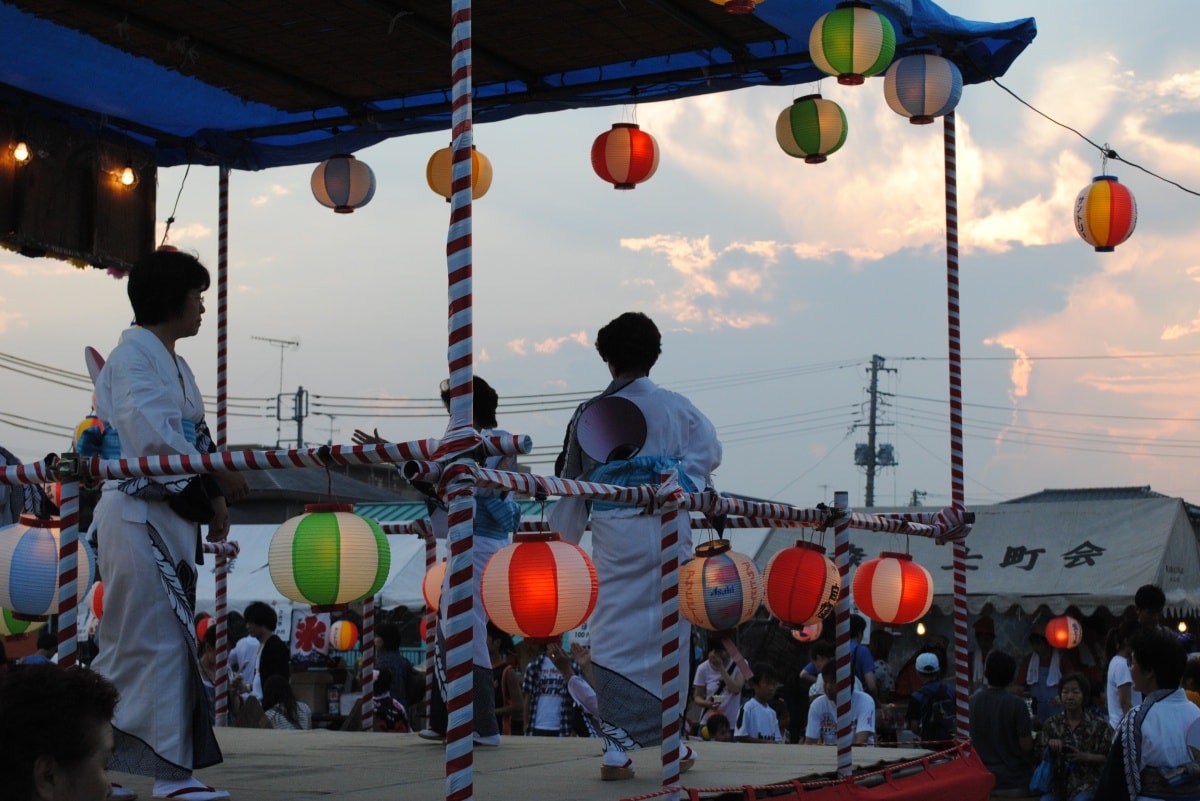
(738, 6)
(811, 128)
(431, 587)
(1105, 213)
(343, 183)
(439, 173)
(922, 87)
(13, 626)
(91, 421)
(852, 42)
(807, 633)
(329, 557)
(1064, 631)
(625, 156)
(29, 567)
(343, 635)
(802, 584)
(892, 589)
(719, 589)
(539, 587)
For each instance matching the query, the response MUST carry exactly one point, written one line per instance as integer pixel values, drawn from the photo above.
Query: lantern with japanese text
(625, 156)
(439, 173)
(329, 557)
(13, 626)
(852, 42)
(922, 86)
(892, 589)
(802, 584)
(343, 635)
(431, 586)
(343, 183)
(811, 128)
(1064, 631)
(539, 587)
(1105, 213)
(29, 567)
(720, 589)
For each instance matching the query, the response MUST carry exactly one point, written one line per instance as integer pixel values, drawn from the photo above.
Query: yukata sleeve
(145, 409)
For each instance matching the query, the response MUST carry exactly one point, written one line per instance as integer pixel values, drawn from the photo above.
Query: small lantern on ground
(720, 589)
(892, 589)
(539, 587)
(802, 584)
(329, 557)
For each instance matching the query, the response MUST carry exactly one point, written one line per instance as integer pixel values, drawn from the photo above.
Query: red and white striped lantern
(719, 589)
(892, 589)
(1064, 631)
(802, 584)
(431, 586)
(539, 587)
(625, 156)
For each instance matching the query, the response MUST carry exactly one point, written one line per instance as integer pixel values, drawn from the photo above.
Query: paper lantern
(539, 587)
(922, 87)
(97, 602)
(29, 567)
(1064, 631)
(625, 156)
(811, 128)
(802, 584)
(431, 587)
(738, 6)
(807, 633)
(13, 626)
(202, 627)
(852, 42)
(91, 421)
(343, 635)
(439, 173)
(1105, 213)
(892, 589)
(719, 589)
(329, 557)
(343, 183)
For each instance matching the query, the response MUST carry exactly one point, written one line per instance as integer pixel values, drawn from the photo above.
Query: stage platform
(268, 765)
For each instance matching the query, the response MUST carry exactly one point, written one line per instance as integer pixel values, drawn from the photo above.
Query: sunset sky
(773, 281)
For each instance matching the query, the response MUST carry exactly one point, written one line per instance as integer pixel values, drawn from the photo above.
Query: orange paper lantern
(892, 589)
(343, 636)
(202, 627)
(625, 156)
(1105, 213)
(431, 587)
(1064, 631)
(802, 584)
(539, 587)
(439, 173)
(719, 589)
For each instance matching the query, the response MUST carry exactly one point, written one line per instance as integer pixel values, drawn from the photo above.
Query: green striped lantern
(852, 42)
(329, 557)
(11, 625)
(811, 128)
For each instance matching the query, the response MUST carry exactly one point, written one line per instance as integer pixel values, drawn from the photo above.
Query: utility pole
(299, 412)
(282, 344)
(917, 495)
(868, 455)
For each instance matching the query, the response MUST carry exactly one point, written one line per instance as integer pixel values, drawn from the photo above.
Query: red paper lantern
(1105, 213)
(1064, 631)
(625, 156)
(802, 584)
(719, 589)
(431, 587)
(98, 599)
(539, 587)
(202, 627)
(343, 636)
(892, 589)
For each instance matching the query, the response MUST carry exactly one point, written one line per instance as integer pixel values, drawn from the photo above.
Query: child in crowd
(718, 729)
(758, 722)
(822, 713)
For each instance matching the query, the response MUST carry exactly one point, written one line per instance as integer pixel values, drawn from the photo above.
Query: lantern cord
(178, 195)
(1105, 151)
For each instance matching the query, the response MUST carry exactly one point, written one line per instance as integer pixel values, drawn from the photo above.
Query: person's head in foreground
(1000, 669)
(630, 345)
(1156, 661)
(55, 734)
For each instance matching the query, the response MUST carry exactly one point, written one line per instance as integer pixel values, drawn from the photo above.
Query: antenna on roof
(282, 344)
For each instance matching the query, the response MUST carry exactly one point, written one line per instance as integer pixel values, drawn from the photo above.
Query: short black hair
(389, 636)
(717, 722)
(1151, 598)
(159, 284)
(1000, 669)
(46, 710)
(763, 671)
(630, 343)
(260, 613)
(858, 625)
(1085, 686)
(1161, 653)
(821, 648)
(484, 402)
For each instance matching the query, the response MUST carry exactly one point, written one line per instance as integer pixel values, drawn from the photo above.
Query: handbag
(194, 502)
(1042, 775)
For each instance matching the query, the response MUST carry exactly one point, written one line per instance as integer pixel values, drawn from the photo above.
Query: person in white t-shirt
(718, 684)
(822, 713)
(758, 722)
(1120, 693)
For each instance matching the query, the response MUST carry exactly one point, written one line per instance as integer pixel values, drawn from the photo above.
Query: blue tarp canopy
(255, 84)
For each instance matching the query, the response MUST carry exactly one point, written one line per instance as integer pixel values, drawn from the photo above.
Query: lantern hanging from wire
(343, 183)
(343, 635)
(431, 586)
(13, 626)
(1105, 213)
(1064, 631)
(852, 42)
(802, 584)
(329, 557)
(625, 156)
(539, 586)
(29, 567)
(720, 589)
(811, 128)
(892, 589)
(738, 6)
(439, 173)
(922, 86)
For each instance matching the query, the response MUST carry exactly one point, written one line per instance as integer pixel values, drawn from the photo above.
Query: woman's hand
(218, 529)
(360, 437)
(1054, 745)
(233, 486)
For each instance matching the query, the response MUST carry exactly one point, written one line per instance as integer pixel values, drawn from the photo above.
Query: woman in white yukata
(644, 430)
(148, 537)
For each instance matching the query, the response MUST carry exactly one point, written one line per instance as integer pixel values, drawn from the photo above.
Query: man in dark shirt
(1001, 730)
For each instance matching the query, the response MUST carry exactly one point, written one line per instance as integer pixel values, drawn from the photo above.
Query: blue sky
(774, 281)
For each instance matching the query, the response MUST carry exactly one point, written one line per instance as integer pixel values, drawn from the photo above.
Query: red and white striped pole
(669, 590)
(957, 472)
(426, 530)
(68, 572)
(221, 687)
(845, 672)
(367, 667)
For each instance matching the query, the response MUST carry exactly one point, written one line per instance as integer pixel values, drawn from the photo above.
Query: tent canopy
(269, 84)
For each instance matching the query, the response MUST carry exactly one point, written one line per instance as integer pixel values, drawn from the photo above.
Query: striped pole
(845, 687)
(367, 667)
(221, 687)
(68, 572)
(669, 596)
(426, 531)
(957, 472)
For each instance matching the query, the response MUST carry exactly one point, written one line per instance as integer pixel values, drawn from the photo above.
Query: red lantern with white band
(802, 584)
(892, 589)
(539, 587)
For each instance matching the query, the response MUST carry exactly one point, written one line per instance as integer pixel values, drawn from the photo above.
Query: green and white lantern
(329, 557)
(811, 128)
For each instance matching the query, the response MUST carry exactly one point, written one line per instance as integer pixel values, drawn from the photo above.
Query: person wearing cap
(931, 710)
(985, 638)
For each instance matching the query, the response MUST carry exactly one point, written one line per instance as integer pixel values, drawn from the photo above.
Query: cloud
(183, 236)
(274, 191)
(12, 319)
(548, 346)
(518, 346)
